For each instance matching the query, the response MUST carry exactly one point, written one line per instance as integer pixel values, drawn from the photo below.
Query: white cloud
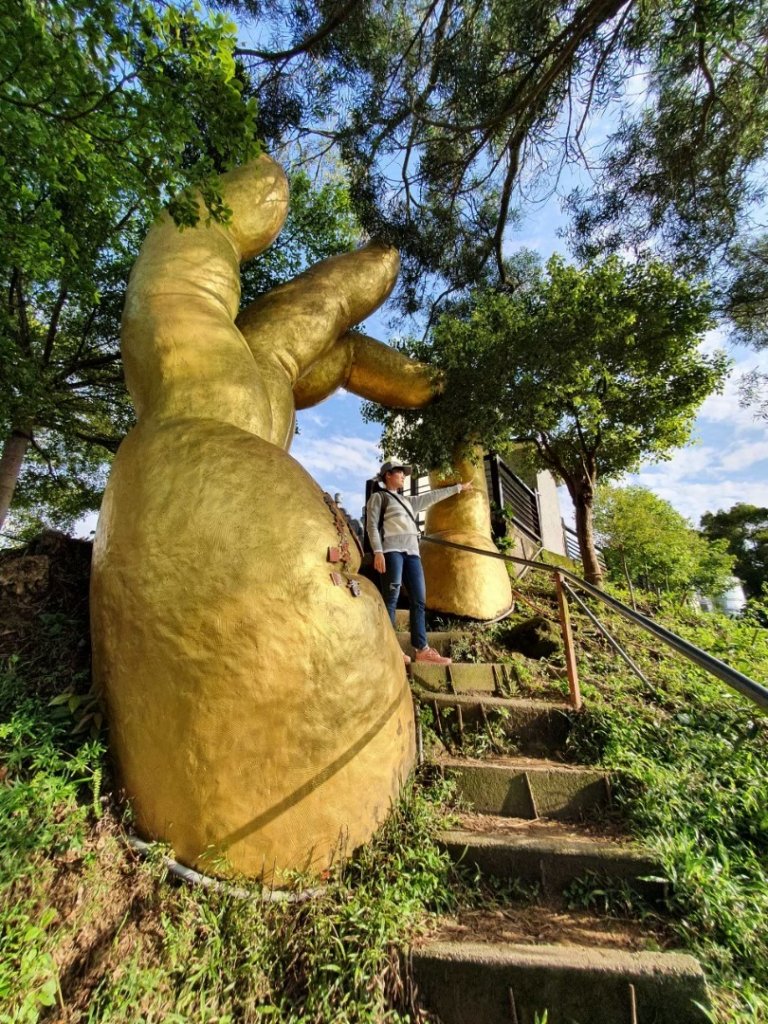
(725, 408)
(337, 454)
(697, 459)
(315, 419)
(692, 499)
(745, 456)
(339, 463)
(714, 341)
(708, 461)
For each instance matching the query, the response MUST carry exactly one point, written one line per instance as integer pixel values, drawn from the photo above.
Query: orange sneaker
(430, 655)
(406, 659)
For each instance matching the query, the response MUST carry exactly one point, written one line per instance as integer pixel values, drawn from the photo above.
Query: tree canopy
(645, 540)
(745, 305)
(744, 528)
(447, 117)
(110, 110)
(453, 114)
(597, 368)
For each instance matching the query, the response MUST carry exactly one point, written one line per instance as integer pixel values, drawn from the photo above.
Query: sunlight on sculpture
(458, 582)
(259, 712)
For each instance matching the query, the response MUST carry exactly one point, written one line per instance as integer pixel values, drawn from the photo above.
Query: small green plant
(82, 707)
(611, 896)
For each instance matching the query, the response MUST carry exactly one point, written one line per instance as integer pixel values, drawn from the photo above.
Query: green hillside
(92, 932)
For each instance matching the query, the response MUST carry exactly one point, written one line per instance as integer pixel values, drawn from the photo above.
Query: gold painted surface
(371, 370)
(460, 583)
(259, 715)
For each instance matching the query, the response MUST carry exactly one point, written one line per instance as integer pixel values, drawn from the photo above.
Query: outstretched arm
(422, 501)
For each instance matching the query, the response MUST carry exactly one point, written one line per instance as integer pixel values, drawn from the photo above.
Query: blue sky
(726, 462)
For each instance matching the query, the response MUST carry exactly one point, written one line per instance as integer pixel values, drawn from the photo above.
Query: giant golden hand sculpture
(259, 712)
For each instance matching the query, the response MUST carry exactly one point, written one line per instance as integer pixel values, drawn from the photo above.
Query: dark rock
(535, 638)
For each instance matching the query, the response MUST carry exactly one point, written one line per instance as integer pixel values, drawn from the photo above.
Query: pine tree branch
(306, 44)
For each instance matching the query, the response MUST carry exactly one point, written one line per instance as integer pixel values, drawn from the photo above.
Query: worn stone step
(470, 982)
(524, 787)
(442, 642)
(460, 678)
(551, 853)
(535, 726)
(512, 679)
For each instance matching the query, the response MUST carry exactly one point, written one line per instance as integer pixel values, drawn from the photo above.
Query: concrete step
(524, 787)
(513, 679)
(442, 642)
(551, 853)
(469, 677)
(534, 726)
(498, 983)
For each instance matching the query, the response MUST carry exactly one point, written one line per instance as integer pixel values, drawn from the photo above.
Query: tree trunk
(582, 502)
(14, 450)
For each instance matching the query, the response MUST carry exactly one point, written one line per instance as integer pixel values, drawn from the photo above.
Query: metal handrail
(612, 641)
(731, 676)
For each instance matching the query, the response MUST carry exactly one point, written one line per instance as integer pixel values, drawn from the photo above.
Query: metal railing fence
(572, 550)
(747, 687)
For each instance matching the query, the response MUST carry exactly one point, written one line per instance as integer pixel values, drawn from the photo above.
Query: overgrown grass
(42, 818)
(690, 758)
(92, 934)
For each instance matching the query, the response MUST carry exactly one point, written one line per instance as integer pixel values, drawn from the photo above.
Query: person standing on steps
(394, 537)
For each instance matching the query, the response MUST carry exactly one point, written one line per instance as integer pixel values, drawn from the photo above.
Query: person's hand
(379, 562)
(467, 487)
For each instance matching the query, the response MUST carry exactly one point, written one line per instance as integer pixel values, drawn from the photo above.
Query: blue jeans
(406, 569)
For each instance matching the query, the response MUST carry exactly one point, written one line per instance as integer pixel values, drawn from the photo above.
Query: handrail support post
(570, 653)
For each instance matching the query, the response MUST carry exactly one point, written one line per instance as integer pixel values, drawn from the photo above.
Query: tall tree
(452, 114)
(105, 115)
(109, 111)
(597, 368)
(746, 302)
(745, 305)
(745, 530)
(645, 540)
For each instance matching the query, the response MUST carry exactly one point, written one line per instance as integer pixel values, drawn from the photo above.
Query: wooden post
(629, 581)
(570, 654)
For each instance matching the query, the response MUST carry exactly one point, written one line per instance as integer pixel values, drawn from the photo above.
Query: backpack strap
(382, 513)
(408, 509)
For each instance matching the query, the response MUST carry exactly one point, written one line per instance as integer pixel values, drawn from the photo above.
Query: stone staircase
(533, 820)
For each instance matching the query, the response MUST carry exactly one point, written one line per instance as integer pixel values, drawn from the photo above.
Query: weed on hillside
(89, 932)
(690, 757)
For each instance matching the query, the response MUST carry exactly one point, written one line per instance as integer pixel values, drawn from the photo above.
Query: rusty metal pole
(570, 654)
